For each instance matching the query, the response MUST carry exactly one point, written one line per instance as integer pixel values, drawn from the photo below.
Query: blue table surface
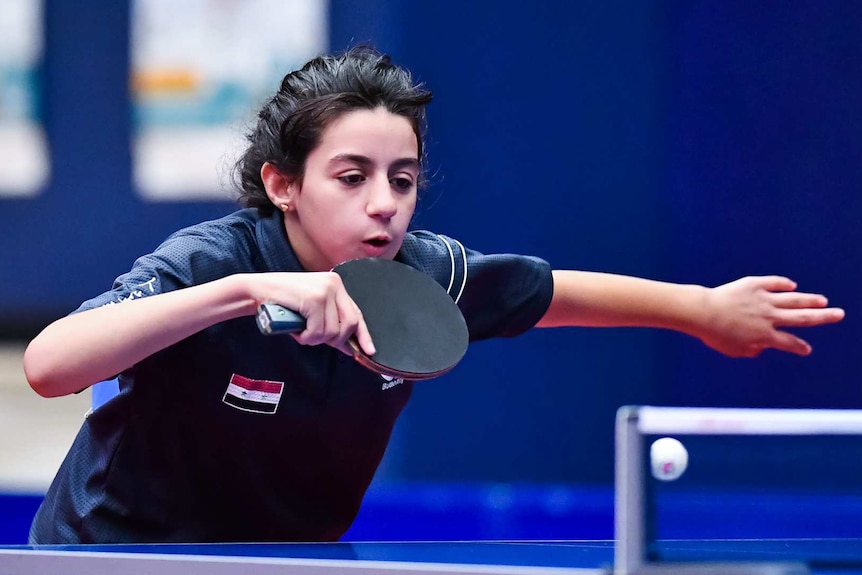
(516, 553)
(842, 555)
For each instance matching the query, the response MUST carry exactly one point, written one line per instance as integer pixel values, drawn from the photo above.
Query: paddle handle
(273, 318)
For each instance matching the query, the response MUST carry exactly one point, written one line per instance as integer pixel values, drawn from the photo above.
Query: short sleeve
(192, 256)
(500, 295)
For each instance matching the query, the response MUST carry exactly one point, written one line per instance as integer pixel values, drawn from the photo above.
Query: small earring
(285, 207)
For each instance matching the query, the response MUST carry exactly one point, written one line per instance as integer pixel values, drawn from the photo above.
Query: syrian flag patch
(255, 395)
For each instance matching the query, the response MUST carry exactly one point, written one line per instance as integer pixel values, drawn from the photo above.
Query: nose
(382, 201)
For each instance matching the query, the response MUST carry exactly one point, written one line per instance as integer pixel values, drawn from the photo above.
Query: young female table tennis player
(221, 434)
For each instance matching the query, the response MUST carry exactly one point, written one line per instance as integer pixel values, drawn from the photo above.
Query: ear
(279, 188)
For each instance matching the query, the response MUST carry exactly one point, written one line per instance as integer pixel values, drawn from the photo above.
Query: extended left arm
(739, 319)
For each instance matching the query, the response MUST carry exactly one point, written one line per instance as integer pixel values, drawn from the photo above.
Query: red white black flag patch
(255, 395)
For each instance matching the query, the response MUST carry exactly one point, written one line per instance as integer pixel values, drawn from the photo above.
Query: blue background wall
(690, 141)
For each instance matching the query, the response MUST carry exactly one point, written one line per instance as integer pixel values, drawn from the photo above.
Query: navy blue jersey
(229, 435)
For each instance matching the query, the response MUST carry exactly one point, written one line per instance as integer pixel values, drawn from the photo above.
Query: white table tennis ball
(668, 459)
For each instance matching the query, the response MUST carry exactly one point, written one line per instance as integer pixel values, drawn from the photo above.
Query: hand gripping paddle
(417, 328)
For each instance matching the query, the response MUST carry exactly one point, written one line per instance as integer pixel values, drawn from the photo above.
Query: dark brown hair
(290, 125)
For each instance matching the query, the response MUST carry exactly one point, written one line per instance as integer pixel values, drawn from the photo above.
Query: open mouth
(378, 242)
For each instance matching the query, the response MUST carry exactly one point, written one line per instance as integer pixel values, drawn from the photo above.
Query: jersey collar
(274, 246)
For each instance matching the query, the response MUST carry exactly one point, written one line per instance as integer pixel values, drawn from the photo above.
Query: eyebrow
(365, 161)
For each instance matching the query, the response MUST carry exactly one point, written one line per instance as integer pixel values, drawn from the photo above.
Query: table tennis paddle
(417, 329)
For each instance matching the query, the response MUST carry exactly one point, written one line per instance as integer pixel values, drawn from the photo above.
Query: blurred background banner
(24, 166)
(200, 70)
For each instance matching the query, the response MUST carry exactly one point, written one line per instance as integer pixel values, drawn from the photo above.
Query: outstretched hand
(745, 316)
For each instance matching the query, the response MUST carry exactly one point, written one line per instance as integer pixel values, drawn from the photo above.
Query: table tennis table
(763, 557)
(635, 550)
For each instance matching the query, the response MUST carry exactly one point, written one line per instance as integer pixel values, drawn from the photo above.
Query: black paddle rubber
(417, 329)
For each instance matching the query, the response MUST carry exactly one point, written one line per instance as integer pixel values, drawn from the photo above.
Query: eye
(352, 179)
(403, 184)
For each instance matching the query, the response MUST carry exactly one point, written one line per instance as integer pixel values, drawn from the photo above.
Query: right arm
(87, 347)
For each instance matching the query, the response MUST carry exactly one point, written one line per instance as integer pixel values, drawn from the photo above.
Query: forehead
(377, 132)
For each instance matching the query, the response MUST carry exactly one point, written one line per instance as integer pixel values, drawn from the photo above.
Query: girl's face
(358, 192)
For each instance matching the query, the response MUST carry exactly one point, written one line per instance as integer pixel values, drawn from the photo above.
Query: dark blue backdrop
(690, 141)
